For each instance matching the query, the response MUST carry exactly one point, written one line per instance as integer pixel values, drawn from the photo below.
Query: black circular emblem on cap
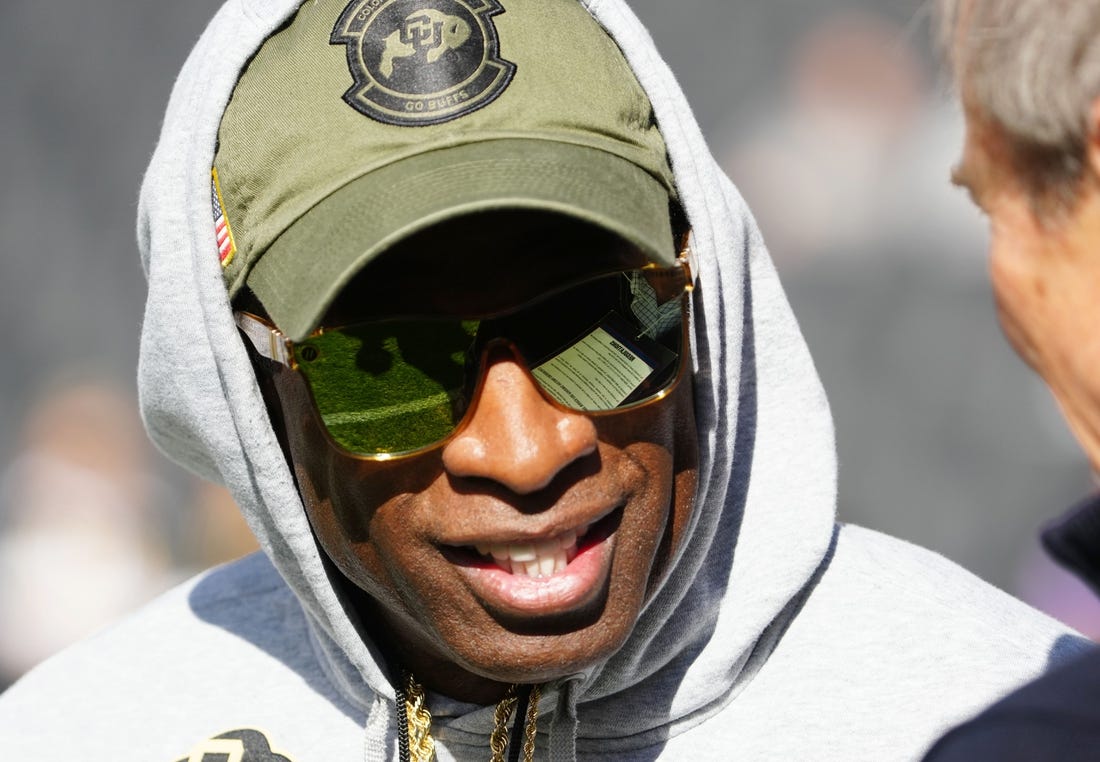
(419, 62)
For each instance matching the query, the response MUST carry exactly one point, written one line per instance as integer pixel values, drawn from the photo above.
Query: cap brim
(303, 271)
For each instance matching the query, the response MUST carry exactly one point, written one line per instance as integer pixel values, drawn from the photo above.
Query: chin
(543, 658)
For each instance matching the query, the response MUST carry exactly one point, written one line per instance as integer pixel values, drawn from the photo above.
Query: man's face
(1045, 272)
(524, 482)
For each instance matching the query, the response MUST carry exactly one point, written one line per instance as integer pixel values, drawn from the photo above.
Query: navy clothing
(1074, 541)
(1056, 717)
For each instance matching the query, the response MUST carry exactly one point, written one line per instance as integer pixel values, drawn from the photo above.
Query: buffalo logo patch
(420, 62)
(236, 746)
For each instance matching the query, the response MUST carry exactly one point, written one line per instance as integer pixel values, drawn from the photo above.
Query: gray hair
(1032, 69)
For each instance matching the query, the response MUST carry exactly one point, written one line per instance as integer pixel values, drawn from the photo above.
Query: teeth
(547, 565)
(522, 553)
(541, 559)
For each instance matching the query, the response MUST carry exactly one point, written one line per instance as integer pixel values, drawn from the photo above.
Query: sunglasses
(396, 386)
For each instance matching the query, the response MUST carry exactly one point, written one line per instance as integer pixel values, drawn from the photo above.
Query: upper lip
(546, 530)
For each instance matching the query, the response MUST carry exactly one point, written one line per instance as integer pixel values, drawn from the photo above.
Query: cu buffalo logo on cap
(420, 62)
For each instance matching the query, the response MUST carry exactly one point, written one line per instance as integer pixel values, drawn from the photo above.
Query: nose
(514, 436)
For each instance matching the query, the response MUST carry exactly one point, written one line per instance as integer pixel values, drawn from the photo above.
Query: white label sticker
(596, 373)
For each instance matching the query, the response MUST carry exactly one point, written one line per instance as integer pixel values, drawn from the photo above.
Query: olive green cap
(361, 123)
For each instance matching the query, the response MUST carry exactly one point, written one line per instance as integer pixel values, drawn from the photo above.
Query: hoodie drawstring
(379, 725)
(563, 728)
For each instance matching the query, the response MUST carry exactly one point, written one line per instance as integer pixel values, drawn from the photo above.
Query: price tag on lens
(604, 367)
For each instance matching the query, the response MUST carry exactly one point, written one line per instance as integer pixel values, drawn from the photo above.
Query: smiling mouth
(541, 576)
(541, 558)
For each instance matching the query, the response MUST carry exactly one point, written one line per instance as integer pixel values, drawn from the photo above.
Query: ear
(1093, 149)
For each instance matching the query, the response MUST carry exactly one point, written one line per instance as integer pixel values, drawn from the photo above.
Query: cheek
(1019, 289)
(661, 443)
(1007, 281)
(350, 503)
(686, 460)
(683, 504)
(685, 467)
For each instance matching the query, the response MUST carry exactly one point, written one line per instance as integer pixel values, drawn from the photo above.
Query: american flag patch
(226, 247)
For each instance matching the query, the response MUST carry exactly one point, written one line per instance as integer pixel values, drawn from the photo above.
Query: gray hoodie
(778, 634)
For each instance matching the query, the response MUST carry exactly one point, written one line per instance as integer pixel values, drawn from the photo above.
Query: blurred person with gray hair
(1028, 75)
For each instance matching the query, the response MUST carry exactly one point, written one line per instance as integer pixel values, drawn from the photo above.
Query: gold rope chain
(498, 741)
(531, 724)
(421, 743)
(422, 746)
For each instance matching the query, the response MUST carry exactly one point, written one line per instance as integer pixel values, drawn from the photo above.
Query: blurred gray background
(830, 115)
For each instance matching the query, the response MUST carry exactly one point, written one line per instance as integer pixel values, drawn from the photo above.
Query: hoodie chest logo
(421, 62)
(236, 746)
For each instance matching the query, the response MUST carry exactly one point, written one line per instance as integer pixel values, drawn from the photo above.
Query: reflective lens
(398, 385)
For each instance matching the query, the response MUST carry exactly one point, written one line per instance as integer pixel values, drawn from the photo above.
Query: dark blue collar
(1074, 541)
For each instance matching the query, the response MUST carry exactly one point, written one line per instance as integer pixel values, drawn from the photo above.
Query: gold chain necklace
(418, 722)
(421, 743)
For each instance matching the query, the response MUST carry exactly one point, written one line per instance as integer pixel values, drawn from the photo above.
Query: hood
(765, 507)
